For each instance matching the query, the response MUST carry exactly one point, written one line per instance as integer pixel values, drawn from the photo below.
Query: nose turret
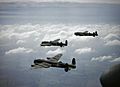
(76, 33)
(37, 61)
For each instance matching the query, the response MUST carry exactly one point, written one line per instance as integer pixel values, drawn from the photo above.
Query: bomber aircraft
(86, 33)
(54, 43)
(53, 62)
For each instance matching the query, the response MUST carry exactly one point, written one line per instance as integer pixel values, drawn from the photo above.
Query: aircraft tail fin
(70, 66)
(96, 33)
(73, 61)
(66, 42)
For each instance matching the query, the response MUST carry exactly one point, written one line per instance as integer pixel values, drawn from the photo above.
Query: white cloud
(111, 37)
(54, 52)
(20, 42)
(19, 50)
(31, 35)
(23, 35)
(5, 32)
(83, 50)
(106, 58)
(101, 58)
(113, 43)
(116, 60)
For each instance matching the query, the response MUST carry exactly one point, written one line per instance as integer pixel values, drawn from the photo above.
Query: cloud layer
(27, 39)
(20, 46)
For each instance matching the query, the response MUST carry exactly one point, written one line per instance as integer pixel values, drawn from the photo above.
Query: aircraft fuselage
(83, 34)
(86, 34)
(54, 64)
(51, 43)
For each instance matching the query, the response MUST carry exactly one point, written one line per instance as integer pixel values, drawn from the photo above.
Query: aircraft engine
(66, 67)
(94, 34)
(48, 58)
(61, 44)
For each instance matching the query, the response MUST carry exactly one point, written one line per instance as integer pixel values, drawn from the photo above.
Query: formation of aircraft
(54, 62)
(86, 33)
(54, 43)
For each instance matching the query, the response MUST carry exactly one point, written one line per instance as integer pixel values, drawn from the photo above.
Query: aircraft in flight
(53, 62)
(86, 33)
(54, 43)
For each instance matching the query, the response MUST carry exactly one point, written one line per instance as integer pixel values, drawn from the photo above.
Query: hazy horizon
(21, 13)
(68, 1)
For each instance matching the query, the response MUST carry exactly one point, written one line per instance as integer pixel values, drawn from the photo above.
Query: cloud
(113, 43)
(19, 31)
(116, 60)
(31, 35)
(23, 35)
(112, 37)
(106, 58)
(19, 50)
(54, 52)
(101, 58)
(78, 38)
(82, 45)
(20, 42)
(5, 31)
(83, 50)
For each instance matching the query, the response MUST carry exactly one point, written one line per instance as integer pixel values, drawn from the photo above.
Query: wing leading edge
(55, 58)
(56, 40)
(42, 65)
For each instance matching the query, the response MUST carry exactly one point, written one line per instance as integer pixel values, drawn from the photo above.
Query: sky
(21, 13)
(20, 45)
(23, 27)
(78, 1)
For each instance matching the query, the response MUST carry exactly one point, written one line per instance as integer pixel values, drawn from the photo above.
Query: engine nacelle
(48, 58)
(66, 67)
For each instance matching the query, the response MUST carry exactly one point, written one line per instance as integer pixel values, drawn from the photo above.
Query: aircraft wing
(86, 32)
(56, 40)
(55, 58)
(42, 65)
